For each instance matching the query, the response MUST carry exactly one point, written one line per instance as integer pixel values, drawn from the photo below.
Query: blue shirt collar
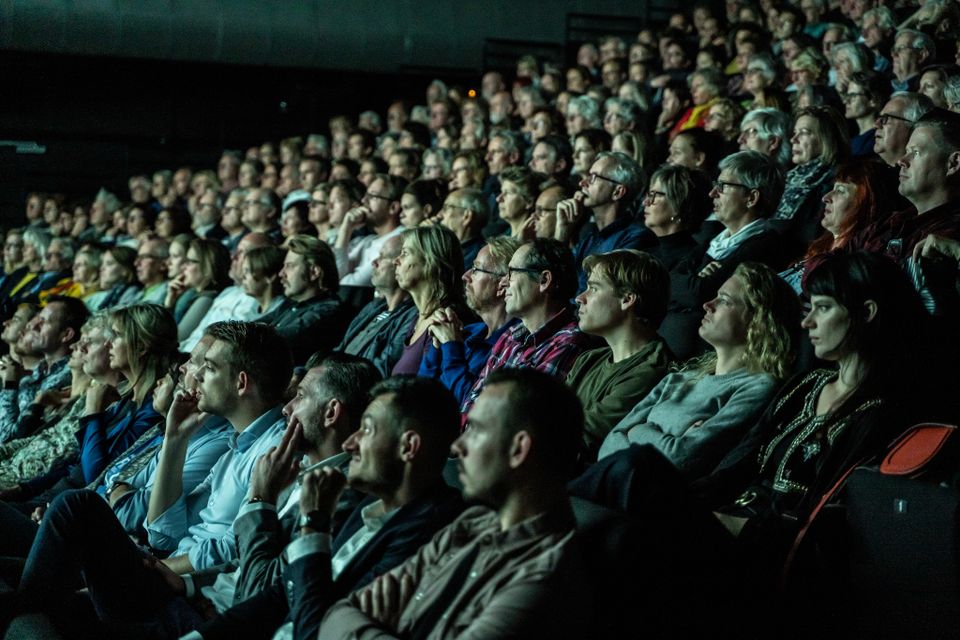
(243, 440)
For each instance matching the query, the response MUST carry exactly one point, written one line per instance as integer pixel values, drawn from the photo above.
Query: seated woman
(260, 277)
(517, 200)
(205, 273)
(744, 196)
(860, 192)
(706, 86)
(118, 280)
(142, 341)
(674, 207)
(819, 143)
(429, 268)
(694, 416)
(760, 81)
(421, 200)
(866, 94)
(85, 277)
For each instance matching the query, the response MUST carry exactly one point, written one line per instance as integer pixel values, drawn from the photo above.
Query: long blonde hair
(151, 336)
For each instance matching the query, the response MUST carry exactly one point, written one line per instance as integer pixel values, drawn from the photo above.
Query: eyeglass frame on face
(368, 194)
(884, 118)
(528, 270)
(652, 196)
(592, 177)
(496, 274)
(904, 47)
(720, 186)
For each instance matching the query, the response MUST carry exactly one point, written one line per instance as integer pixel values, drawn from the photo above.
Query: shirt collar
(245, 439)
(545, 332)
(375, 515)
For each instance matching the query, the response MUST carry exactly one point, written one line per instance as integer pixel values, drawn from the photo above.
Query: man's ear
(410, 444)
(953, 163)
(333, 412)
(520, 447)
(546, 281)
(316, 273)
(68, 335)
(700, 159)
(629, 300)
(619, 192)
(870, 310)
(244, 384)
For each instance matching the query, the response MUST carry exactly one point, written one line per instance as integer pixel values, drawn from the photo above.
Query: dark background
(97, 90)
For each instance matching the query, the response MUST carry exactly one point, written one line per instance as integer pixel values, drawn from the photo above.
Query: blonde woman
(204, 274)
(698, 413)
(429, 268)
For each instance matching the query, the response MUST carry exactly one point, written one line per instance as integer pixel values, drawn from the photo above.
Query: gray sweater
(694, 419)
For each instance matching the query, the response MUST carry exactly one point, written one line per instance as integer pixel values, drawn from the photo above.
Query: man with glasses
(545, 208)
(261, 211)
(206, 218)
(151, 266)
(539, 282)
(379, 212)
(465, 213)
(459, 352)
(912, 50)
(504, 150)
(768, 131)
(614, 182)
(894, 122)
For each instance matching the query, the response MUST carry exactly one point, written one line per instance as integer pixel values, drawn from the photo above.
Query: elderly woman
(674, 207)
(809, 67)
(429, 268)
(819, 144)
(517, 200)
(705, 89)
(583, 112)
(760, 81)
(744, 196)
(848, 58)
(724, 117)
(205, 273)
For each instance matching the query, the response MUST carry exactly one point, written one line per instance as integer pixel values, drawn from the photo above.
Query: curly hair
(773, 315)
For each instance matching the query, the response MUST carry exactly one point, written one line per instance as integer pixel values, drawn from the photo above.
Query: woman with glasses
(744, 196)
(205, 273)
(867, 92)
(136, 346)
(674, 207)
(819, 143)
(429, 268)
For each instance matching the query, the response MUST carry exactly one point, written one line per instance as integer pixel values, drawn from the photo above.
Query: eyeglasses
(721, 186)
(542, 210)
(369, 194)
(528, 270)
(593, 177)
(653, 196)
(474, 268)
(884, 118)
(903, 47)
(850, 95)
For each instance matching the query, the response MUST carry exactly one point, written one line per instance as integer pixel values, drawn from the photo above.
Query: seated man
(463, 351)
(151, 265)
(311, 319)
(500, 571)
(540, 281)
(624, 302)
(379, 331)
(50, 334)
(397, 456)
(379, 214)
(244, 374)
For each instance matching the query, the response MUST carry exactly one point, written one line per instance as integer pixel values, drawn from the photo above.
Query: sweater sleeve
(699, 446)
(618, 438)
(103, 441)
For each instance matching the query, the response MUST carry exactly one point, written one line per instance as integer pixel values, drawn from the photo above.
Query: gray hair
(884, 16)
(951, 91)
(443, 156)
(629, 109)
(534, 94)
(754, 170)
(710, 75)
(773, 122)
(919, 40)
(373, 117)
(39, 238)
(625, 171)
(916, 105)
(511, 140)
(764, 63)
(67, 248)
(857, 54)
(588, 108)
(110, 202)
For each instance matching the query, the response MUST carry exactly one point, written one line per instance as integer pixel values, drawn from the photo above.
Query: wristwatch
(316, 520)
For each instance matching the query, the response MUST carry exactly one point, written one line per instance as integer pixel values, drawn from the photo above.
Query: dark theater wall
(98, 89)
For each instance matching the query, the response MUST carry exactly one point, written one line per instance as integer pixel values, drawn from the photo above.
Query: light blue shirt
(206, 446)
(231, 304)
(207, 538)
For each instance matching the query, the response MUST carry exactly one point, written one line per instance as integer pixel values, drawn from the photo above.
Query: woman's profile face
(838, 205)
(827, 325)
(410, 266)
(725, 320)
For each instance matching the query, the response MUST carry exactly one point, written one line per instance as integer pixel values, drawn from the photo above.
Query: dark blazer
(307, 588)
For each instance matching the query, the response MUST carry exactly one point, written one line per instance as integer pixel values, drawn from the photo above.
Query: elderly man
(459, 352)
(465, 213)
(912, 51)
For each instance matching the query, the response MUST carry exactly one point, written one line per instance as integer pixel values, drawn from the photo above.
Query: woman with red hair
(851, 206)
